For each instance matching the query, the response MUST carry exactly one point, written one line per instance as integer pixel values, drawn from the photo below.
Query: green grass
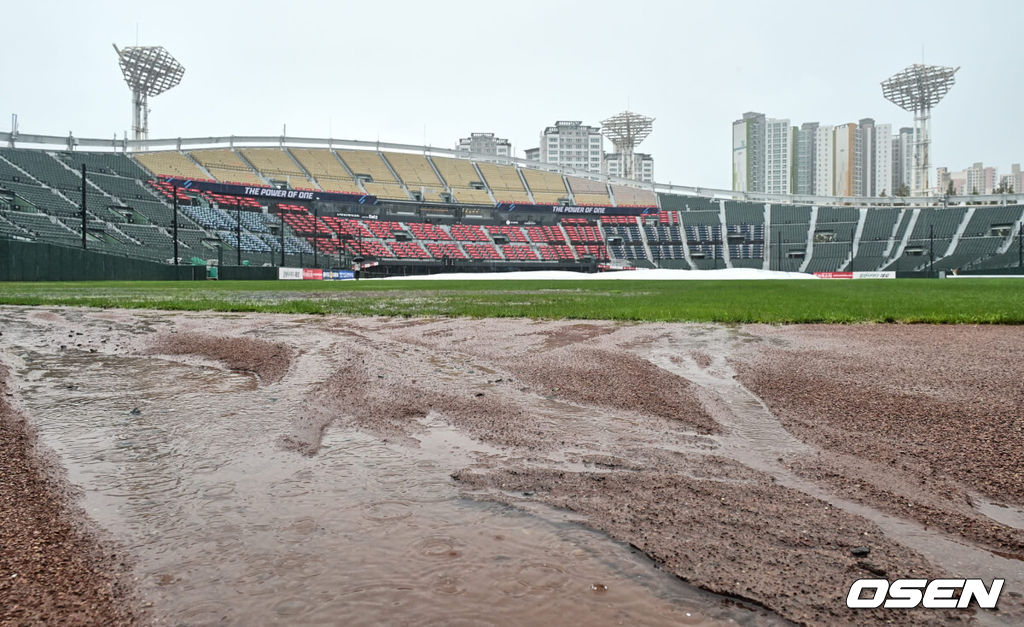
(985, 301)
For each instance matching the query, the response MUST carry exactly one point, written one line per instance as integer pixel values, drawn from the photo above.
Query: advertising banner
(834, 275)
(289, 274)
(312, 274)
(268, 193)
(874, 275)
(576, 210)
(855, 275)
(338, 275)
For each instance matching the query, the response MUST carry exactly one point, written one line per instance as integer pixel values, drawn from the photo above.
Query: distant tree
(1009, 188)
(903, 191)
(950, 190)
(974, 191)
(882, 194)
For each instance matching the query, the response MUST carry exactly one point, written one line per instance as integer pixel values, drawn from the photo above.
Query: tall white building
(803, 158)
(572, 144)
(778, 156)
(981, 179)
(643, 166)
(882, 183)
(485, 144)
(824, 158)
(748, 153)
(903, 160)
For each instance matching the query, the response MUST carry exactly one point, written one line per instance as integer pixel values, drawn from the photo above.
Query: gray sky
(431, 72)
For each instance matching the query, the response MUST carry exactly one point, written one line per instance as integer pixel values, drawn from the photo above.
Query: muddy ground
(753, 461)
(54, 567)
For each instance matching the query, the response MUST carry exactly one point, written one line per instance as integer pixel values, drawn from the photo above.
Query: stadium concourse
(422, 212)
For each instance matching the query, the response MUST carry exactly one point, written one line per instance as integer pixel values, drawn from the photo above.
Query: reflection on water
(181, 463)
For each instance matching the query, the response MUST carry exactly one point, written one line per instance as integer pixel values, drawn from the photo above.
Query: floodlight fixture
(626, 130)
(917, 89)
(149, 71)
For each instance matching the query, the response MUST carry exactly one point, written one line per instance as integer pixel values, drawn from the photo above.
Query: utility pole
(174, 222)
(83, 208)
(852, 233)
(931, 247)
(238, 235)
(280, 215)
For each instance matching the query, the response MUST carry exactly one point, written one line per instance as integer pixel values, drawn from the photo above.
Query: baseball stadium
(310, 380)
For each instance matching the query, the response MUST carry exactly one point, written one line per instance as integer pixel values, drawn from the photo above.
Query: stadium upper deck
(654, 225)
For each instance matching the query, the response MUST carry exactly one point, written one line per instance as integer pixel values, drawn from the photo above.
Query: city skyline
(863, 158)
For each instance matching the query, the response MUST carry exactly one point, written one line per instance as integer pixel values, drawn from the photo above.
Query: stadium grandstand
(271, 201)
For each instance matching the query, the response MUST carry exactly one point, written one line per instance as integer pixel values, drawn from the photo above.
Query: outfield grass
(985, 301)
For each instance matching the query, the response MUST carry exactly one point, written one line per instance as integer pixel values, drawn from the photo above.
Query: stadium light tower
(626, 130)
(917, 89)
(149, 71)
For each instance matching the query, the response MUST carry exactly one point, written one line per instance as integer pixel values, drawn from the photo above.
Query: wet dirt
(326, 494)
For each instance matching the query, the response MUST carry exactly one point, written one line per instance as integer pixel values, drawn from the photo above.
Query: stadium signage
(937, 594)
(272, 193)
(313, 274)
(586, 210)
(855, 275)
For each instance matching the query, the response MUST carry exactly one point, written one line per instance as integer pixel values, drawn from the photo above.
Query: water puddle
(181, 463)
(755, 438)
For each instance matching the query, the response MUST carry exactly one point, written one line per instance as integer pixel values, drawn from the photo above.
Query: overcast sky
(431, 72)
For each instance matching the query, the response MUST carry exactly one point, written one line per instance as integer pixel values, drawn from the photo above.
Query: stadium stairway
(907, 231)
(811, 229)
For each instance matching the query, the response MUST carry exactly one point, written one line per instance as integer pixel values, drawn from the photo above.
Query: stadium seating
(515, 252)
(376, 178)
(408, 250)
(129, 213)
(737, 212)
(548, 188)
(634, 197)
(545, 234)
(424, 231)
(504, 183)
(277, 164)
(170, 164)
(226, 166)
(417, 174)
(481, 251)
(446, 250)
(588, 192)
(514, 234)
(113, 164)
(325, 168)
(463, 180)
(44, 168)
(468, 233)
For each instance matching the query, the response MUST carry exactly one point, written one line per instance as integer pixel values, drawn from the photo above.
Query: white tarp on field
(733, 274)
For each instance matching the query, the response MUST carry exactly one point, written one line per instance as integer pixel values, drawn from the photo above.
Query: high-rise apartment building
(804, 158)
(903, 160)
(777, 156)
(485, 144)
(844, 160)
(748, 156)
(883, 159)
(824, 160)
(853, 159)
(643, 166)
(572, 144)
(981, 179)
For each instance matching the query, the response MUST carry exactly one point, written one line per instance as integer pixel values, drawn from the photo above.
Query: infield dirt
(746, 460)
